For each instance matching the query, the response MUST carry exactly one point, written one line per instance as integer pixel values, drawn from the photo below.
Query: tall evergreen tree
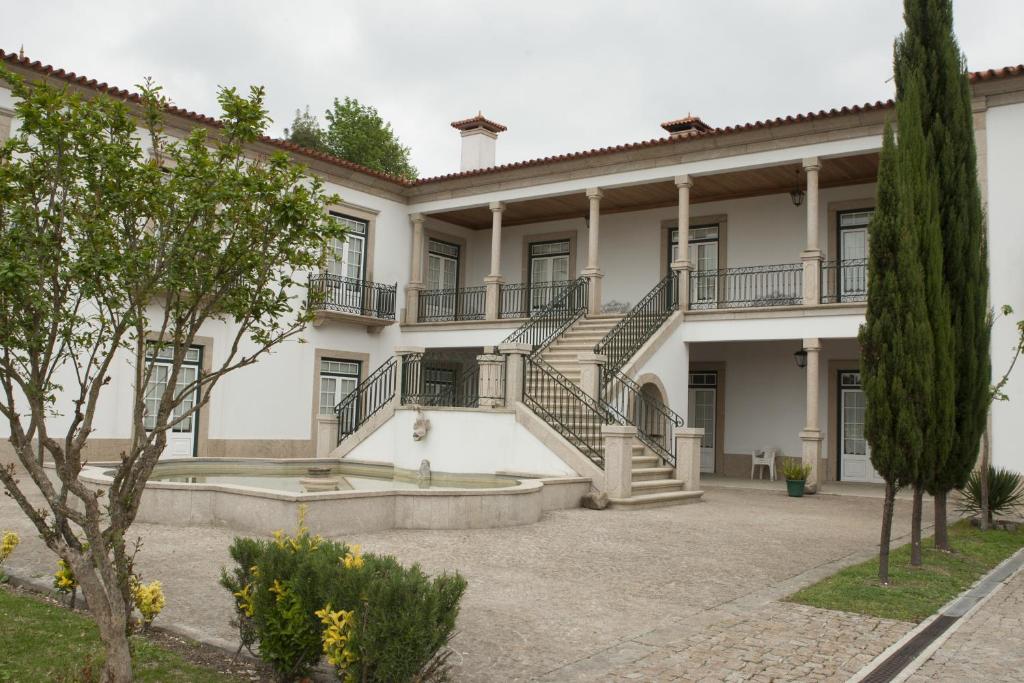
(896, 343)
(950, 126)
(920, 196)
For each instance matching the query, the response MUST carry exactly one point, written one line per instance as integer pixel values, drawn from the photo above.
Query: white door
(183, 437)
(853, 253)
(701, 413)
(442, 274)
(549, 265)
(348, 261)
(854, 453)
(703, 256)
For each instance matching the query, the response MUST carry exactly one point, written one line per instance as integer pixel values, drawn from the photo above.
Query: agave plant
(1005, 492)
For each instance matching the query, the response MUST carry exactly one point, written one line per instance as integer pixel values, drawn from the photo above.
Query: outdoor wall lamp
(801, 358)
(798, 198)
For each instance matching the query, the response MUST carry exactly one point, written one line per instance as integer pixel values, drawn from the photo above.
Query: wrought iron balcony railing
(545, 325)
(524, 299)
(437, 379)
(372, 394)
(330, 292)
(642, 321)
(444, 305)
(844, 281)
(748, 287)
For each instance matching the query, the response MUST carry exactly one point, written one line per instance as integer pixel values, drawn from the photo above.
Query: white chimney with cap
(686, 127)
(479, 136)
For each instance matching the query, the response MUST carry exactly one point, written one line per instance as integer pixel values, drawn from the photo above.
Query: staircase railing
(545, 325)
(372, 394)
(654, 421)
(640, 323)
(628, 404)
(565, 407)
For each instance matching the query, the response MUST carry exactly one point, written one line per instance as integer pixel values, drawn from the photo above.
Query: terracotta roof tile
(71, 77)
(479, 121)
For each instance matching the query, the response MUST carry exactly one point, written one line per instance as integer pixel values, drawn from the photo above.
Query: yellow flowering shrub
(64, 579)
(337, 633)
(8, 544)
(353, 558)
(149, 599)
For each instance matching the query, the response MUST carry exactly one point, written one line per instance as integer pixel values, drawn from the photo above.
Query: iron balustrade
(843, 281)
(565, 407)
(655, 422)
(329, 292)
(545, 325)
(774, 285)
(372, 394)
(440, 380)
(640, 323)
(524, 299)
(442, 305)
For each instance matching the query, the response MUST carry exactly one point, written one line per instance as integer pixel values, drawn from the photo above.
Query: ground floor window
(338, 379)
(183, 438)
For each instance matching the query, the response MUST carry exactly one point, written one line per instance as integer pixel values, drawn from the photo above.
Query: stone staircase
(653, 484)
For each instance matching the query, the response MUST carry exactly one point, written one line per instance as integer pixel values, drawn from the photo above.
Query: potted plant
(795, 473)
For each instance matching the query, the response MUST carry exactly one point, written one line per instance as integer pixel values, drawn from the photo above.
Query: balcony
(343, 298)
(451, 305)
(520, 299)
(844, 281)
(747, 287)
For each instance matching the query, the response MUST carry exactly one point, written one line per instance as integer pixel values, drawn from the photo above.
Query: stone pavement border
(959, 610)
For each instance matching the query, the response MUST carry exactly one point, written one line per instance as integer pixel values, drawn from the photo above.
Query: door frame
(529, 266)
(719, 368)
(543, 237)
(838, 439)
(200, 419)
(668, 225)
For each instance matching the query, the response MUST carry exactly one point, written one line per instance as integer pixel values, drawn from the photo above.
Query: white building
(774, 215)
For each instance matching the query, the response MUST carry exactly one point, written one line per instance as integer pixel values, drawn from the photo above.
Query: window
(853, 253)
(549, 267)
(338, 379)
(347, 257)
(162, 357)
(442, 265)
(703, 379)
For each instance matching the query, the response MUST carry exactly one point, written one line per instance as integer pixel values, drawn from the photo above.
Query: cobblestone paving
(678, 593)
(989, 646)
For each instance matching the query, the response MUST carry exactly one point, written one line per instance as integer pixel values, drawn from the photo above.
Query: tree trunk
(107, 608)
(883, 544)
(915, 527)
(941, 528)
(983, 476)
(118, 666)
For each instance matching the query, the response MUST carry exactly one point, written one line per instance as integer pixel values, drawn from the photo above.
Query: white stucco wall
(1005, 143)
(461, 441)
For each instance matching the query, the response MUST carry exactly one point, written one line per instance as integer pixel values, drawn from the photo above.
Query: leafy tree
(109, 256)
(357, 133)
(948, 120)
(306, 131)
(896, 345)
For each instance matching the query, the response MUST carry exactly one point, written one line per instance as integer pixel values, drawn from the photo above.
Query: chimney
(478, 141)
(686, 127)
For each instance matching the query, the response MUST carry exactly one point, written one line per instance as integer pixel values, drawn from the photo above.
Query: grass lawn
(915, 593)
(41, 641)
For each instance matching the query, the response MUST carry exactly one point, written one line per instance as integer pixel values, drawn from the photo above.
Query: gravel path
(675, 593)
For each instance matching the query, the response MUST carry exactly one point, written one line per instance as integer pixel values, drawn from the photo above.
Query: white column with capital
(415, 286)
(681, 265)
(593, 270)
(811, 255)
(810, 437)
(493, 281)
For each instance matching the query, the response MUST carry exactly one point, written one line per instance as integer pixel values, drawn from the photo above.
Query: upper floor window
(347, 257)
(442, 264)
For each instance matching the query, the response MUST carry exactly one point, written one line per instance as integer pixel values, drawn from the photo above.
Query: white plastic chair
(763, 457)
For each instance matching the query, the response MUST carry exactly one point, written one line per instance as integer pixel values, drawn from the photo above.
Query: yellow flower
(64, 579)
(149, 599)
(8, 544)
(279, 589)
(245, 600)
(353, 558)
(279, 538)
(337, 635)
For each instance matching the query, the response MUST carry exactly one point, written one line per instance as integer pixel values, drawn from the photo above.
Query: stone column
(683, 271)
(590, 373)
(682, 266)
(811, 256)
(593, 270)
(403, 352)
(618, 459)
(491, 391)
(493, 281)
(415, 286)
(810, 437)
(688, 456)
(514, 354)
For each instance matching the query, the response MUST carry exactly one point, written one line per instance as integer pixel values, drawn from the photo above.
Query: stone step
(654, 500)
(642, 461)
(651, 473)
(658, 486)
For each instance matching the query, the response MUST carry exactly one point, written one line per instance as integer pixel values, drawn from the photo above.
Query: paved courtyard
(679, 593)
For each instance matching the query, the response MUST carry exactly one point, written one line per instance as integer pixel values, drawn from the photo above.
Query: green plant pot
(795, 487)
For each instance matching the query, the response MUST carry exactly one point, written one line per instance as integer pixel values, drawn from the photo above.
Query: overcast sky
(563, 76)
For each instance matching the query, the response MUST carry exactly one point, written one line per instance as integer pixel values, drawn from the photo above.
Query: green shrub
(795, 470)
(1005, 492)
(299, 597)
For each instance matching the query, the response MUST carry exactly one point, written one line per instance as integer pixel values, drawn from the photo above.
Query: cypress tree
(914, 70)
(896, 342)
(950, 125)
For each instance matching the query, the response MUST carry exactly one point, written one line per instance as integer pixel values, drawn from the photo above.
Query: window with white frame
(338, 379)
(347, 257)
(162, 357)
